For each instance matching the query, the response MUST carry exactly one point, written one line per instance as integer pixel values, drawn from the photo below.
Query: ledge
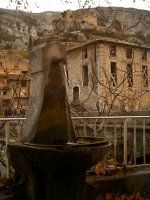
(133, 180)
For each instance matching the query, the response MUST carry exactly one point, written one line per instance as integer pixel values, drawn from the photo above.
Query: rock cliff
(20, 29)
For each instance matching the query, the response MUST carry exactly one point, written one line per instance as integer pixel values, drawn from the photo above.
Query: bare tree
(115, 97)
(24, 4)
(119, 95)
(16, 79)
(14, 86)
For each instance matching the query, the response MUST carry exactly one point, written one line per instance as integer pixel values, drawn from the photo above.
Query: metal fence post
(134, 142)
(95, 127)
(144, 142)
(84, 128)
(125, 143)
(7, 136)
(105, 129)
(115, 142)
(19, 130)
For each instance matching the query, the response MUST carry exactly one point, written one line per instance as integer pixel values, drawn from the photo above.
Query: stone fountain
(49, 160)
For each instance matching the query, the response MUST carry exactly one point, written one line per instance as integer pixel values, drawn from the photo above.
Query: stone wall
(99, 86)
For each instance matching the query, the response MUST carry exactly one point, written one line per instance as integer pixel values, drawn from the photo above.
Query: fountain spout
(48, 120)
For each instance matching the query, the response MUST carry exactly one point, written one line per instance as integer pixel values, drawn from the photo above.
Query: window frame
(129, 53)
(85, 75)
(144, 54)
(145, 84)
(113, 71)
(84, 53)
(76, 100)
(129, 71)
(23, 83)
(112, 48)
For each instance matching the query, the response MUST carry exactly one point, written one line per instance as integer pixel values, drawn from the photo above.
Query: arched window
(76, 94)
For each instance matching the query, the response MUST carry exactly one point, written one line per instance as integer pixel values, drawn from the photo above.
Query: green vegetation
(25, 54)
(8, 47)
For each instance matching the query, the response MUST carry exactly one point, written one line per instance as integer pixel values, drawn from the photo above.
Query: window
(113, 77)
(129, 75)
(112, 50)
(85, 75)
(23, 83)
(129, 53)
(84, 53)
(3, 80)
(76, 94)
(145, 76)
(3, 92)
(144, 54)
(24, 72)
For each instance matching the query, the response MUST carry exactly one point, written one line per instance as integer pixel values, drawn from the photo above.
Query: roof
(15, 77)
(110, 40)
(18, 77)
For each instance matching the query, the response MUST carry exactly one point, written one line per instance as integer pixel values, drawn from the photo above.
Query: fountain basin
(85, 155)
(55, 171)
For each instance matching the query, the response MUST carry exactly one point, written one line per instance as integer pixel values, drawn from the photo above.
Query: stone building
(109, 75)
(14, 80)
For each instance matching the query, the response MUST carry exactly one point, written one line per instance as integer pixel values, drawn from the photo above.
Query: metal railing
(129, 135)
(10, 131)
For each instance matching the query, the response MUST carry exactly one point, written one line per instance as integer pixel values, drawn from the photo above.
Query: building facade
(109, 75)
(14, 81)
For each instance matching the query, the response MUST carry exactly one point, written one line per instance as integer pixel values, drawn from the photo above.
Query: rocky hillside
(19, 30)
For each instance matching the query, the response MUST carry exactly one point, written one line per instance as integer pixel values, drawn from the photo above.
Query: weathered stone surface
(55, 171)
(89, 23)
(127, 182)
(48, 119)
